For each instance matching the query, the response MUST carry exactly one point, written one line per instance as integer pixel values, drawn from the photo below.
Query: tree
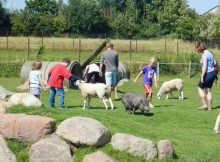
(85, 16)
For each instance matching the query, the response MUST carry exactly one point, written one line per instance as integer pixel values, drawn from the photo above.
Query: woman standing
(207, 77)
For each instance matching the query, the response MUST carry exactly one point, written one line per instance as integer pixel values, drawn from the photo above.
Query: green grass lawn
(190, 130)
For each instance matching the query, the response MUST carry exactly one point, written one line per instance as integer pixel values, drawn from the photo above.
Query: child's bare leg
(149, 97)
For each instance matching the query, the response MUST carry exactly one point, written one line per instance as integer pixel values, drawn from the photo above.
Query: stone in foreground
(134, 145)
(50, 149)
(25, 127)
(98, 156)
(5, 154)
(84, 131)
(165, 149)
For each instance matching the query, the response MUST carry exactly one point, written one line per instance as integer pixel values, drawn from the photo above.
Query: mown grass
(190, 130)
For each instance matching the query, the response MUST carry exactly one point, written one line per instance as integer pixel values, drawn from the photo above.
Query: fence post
(136, 45)
(7, 41)
(130, 51)
(73, 44)
(177, 47)
(165, 44)
(28, 48)
(158, 70)
(79, 50)
(42, 40)
(190, 66)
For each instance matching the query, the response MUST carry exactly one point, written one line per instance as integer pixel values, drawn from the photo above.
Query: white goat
(90, 90)
(169, 86)
(25, 99)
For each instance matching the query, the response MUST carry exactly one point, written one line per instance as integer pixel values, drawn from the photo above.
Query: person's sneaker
(216, 131)
(203, 107)
(63, 107)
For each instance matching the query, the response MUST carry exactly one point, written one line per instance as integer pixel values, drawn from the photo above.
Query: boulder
(165, 149)
(134, 145)
(5, 154)
(98, 156)
(4, 94)
(50, 149)
(25, 127)
(84, 131)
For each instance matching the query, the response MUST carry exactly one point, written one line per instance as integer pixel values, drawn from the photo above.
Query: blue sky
(200, 6)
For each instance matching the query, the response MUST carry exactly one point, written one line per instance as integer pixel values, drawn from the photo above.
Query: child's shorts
(147, 88)
(35, 91)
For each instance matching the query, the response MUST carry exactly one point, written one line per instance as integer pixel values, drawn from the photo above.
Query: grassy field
(190, 130)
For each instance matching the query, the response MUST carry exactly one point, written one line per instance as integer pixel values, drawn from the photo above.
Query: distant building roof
(212, 10)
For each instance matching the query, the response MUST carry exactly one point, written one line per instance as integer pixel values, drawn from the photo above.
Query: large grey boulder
(5, 154)
(4, 93)
(25, 127)
(84, 131)
(165, 149)
(98, 156)
(134, 145)
(50, 149)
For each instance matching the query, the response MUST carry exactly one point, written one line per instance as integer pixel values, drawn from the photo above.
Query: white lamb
(90, 90)
(169, 86)
(25, 99)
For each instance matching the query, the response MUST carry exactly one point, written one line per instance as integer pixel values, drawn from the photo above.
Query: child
(148, 71)
(35, 81)
(55, 81)
(92, 70)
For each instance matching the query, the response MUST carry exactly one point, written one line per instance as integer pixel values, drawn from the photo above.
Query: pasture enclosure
(82, 44)
(190, 130)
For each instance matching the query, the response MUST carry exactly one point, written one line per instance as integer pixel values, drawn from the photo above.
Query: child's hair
(109, 45)
(200, 47)
(66, 60)
(36, 65)
(152, 59)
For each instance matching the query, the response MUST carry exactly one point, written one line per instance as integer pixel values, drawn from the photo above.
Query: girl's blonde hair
(152, 60)
(36, 65)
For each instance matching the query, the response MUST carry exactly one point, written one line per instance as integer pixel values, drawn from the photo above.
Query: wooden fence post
(28, 48)
(130, 51)
(158, 70)
(136, 46)
(177, 47)
(190, 66)
(7, 41)
(165, 44)
(79, 50)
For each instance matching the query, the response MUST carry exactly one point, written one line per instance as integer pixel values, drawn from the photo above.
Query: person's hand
(134, 81)
(202, 80)
(100, 73)
(45, 89)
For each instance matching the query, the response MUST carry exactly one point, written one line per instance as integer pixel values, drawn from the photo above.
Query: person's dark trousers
(53, 92)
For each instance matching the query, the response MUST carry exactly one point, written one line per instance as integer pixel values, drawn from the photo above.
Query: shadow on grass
(163, 106)
(145, 114)
(177, 98)
(217, 107)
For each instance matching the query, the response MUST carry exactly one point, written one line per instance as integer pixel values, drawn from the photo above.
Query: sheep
(26, 99)
(90, 90)
(169, 86)
(217, 124)
(133, 101)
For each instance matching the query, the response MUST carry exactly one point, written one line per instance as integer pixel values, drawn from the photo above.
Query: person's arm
(87, 68)
(204, 67)
(155, 80)
(28, 83)
(138, 76)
